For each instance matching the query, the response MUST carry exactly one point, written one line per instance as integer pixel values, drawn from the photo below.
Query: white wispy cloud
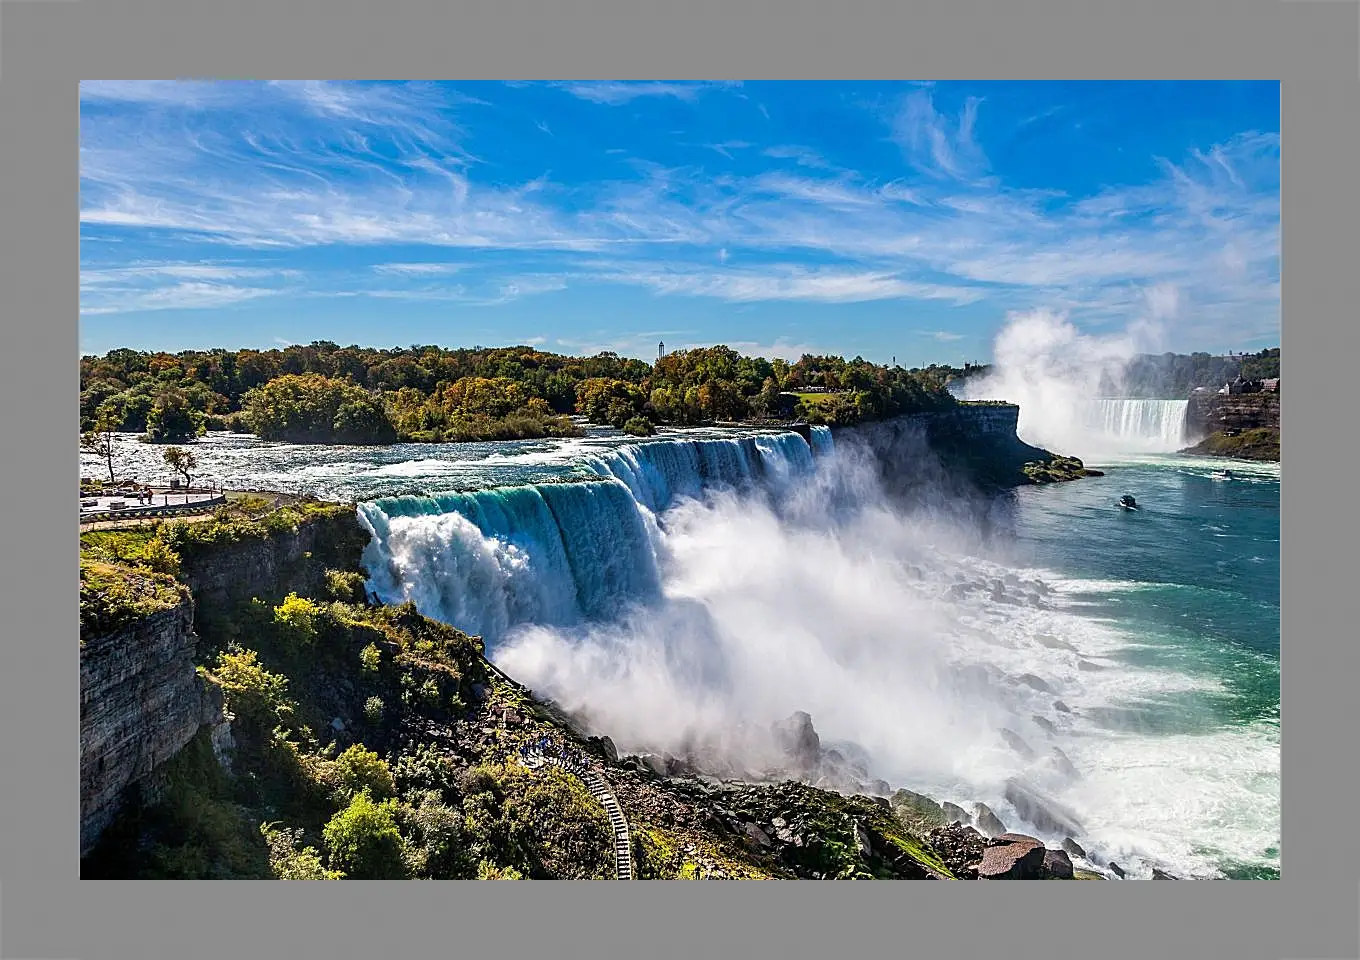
(359, 165)
(616, 92)
(419, 269)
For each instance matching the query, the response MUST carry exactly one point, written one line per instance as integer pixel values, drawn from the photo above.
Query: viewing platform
(126, 503)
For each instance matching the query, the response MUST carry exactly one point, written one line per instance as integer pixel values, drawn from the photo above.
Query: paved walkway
(106, 506)
(534, 757)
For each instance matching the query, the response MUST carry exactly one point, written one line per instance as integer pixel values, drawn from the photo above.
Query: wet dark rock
(1035, 683)
(879, 788)
(1074, 848)
(652, 764)
(1044, 724)
(799, 741)
(961, 848)
(1017, 743)
(1057, 865)
(1117, 870)
(988, 823)
(862, 841)
(757, 835)
(955, 813)
(1162, 875)
(1061, 707)
(1012, 856)
(917, 810)
(1044, 813)
(1064, 764)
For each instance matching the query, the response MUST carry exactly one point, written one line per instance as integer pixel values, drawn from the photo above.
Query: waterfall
(558, 553)
(1143, 426)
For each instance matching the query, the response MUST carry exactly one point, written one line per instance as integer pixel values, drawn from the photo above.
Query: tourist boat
(1222, 475)
(1127, 502)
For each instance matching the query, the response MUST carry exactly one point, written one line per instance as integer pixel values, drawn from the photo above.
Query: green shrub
(370, 658)
(363, 840)
(252, 693)
(544, 824)
(373, 710)
(158, 556)
(639, 427)
(360, 770)
(296, 621)
(436, 848)
(345, 586)
(489, 871)
(288, 862)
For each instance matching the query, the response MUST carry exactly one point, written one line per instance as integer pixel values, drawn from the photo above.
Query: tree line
(325, 393)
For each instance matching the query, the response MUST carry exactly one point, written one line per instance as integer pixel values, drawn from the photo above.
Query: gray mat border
(47, 46)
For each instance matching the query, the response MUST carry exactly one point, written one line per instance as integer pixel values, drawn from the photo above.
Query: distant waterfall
(1141, 426)
(558, 553)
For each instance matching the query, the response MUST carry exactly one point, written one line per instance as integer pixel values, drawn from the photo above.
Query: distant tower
(660, 349)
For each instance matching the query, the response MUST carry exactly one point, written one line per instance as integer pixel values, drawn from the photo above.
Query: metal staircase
(534, 757)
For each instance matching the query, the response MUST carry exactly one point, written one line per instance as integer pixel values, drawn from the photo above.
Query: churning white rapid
(700, 590)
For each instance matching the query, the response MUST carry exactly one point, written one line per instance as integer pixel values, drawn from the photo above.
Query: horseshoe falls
(1136, 426)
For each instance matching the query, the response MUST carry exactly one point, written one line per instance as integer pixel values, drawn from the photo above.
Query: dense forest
(325, 393)
(1174, 375)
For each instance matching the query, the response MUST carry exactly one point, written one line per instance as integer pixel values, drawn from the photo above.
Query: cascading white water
(693, 591)
(1136, 425)
(557, 553)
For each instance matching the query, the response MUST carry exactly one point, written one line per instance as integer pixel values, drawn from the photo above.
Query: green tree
(99, 439)
(182, 462)
(364, 842)
(171, 419)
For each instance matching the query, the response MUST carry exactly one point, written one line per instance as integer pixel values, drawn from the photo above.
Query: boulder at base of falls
(1063, 764)
(1017, 743)
(917, 810)
(1044, 724)
(988, 823)
(955, 813)
(1033, 682)
(1057, 865)
(1061, 707)
(799, 741)
(1012, 856)
(1162, 875)
(1117, 870)
(1074, 848)
(1045, 814)
(960, 848)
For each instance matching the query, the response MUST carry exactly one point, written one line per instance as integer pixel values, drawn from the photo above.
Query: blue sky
(901, 220)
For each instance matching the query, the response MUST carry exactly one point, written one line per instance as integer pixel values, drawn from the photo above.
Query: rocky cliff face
(957, 452)
(141, 701)
(1246, 411)
(269, 568)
